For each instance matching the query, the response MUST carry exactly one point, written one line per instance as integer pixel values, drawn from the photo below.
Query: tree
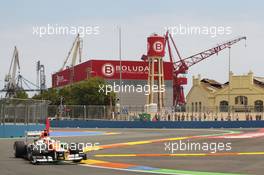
(88, 92)
(51, 95)
(21, 94)
(83, 93)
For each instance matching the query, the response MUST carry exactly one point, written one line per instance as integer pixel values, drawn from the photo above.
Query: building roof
(214, 84)
(259, 81)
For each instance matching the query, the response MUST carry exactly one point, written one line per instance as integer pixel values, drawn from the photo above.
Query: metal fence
(23, 111)
(225, 112)
(78, 112)
(35, 111)
(130, 113)
(101, 112)
(225, 108)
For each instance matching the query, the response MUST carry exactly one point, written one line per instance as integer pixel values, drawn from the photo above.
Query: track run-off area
(151, 151)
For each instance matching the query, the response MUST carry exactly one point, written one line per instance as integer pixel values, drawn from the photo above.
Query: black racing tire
(77, 161)
(29, 156)
(76, 151)
(20, 149)
(85, 157)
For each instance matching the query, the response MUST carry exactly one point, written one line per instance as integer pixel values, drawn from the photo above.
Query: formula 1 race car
(46, 149)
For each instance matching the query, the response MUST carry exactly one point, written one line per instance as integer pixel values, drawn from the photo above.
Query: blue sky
(28, 11)
(138, 19)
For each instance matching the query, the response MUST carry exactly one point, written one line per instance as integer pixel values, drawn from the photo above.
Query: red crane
(181, 67)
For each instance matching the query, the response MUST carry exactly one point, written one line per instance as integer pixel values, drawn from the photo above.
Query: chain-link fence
(35, 111)
(23, 111)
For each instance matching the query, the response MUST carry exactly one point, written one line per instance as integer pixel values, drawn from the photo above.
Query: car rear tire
(20, 149)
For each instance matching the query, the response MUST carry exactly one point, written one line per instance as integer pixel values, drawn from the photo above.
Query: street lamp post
(229, 88)
(120, 65)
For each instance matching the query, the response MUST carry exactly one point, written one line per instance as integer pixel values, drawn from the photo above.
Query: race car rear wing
(32, 134)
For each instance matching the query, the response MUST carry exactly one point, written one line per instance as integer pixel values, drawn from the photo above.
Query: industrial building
(133, 73)
(245, 93)
(153, 70)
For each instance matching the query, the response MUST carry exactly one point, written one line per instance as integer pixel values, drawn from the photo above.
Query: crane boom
(14, 81)
(196, 58)
(75, 49)
(181, 67)
(11, 77)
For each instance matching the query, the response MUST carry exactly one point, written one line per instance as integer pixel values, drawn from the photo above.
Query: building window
(192, 107)
(200, 106)
(258, 106)
(241, 100)
(223, 106)
(196, 106)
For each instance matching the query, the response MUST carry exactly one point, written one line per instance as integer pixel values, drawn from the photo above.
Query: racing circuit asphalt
(145, 150)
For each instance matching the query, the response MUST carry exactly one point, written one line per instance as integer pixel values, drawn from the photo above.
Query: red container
(156, 46)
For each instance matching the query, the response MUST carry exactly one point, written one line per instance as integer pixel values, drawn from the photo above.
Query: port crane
(75, 50)
(11, 85)
(181, 67)
(14, 81)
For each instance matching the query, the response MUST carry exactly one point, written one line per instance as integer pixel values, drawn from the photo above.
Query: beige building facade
(244, 93)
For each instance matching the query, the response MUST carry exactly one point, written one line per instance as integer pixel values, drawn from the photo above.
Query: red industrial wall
(107, 69)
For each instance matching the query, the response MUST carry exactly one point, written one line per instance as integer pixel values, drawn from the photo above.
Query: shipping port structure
(133, 73)
(128, 72)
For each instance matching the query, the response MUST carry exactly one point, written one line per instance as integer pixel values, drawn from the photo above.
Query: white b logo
(158, 46)
(108, 70)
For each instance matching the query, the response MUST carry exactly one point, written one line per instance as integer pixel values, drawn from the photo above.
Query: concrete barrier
(18, 130)
(158, 124)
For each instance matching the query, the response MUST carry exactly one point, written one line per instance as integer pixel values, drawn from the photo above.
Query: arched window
(241, 100)
(258, 105)
(223, 106)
